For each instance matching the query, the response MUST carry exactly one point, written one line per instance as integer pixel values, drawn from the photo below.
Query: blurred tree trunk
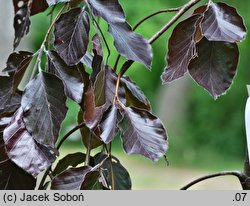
(171, 108)
(7, 32)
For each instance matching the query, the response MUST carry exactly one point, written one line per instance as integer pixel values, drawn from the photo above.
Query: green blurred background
(204, 135)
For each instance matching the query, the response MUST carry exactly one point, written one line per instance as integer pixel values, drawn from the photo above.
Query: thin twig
(65, 137)
(238, 174)
(38, 60)
(181, 11)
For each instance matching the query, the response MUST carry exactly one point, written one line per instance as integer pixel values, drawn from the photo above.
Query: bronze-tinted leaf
(215, 66)
(14, 178)
(9, 103)
(17, 64)
(70, 76)
(23, 150)
(143, 133)
(128, 43)
(134, 95)
(69, 160)
(107, 128)
(89, 139)
(72, 179)
(44, 106)
(91, 181)
(72, 35)
(181, 49)
(37, 7)
(223, 23)
(122, 179)
(21, 24)
(87, 59)
(97, 45)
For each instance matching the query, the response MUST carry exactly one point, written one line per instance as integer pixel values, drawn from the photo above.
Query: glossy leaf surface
(143, 133)
(215, 66)
(128, 43)
(44, 108)
(222, 23)
(181, 49)
(70, 76)
(23, 150)
(72, 35)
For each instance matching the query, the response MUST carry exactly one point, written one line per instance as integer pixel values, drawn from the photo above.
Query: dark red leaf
(107, 127)
(89, 139)
(181, 49)
(70, 76)
(122, 179)
(143, 133)
(14, 178)
(9, 103)
(91, 181)
(134, 95)
(72, 179)
(97, 66)
(215, 66)
(23, 150)
(37, 7)
(44, 106)
(72, 35)
(133, 46)
(223, 23)
(21, 24)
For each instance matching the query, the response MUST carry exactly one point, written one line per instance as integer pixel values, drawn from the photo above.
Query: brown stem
(238, 174)
(88, 150)
(181, 11)
(142, 21)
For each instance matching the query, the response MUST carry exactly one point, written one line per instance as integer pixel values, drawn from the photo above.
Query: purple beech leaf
(107, 127)
(69, 160)
(86, 134)
(131, 45)
(87, 59)
(14, 178)
(223, 23)
(11, 176)
(37, 7)
(3, 124)
(181, 49)
(91, 181)
(9, 102)
(134, 95)
(70, 76)
(72, 179)
(72, 35)
(128, 43)
(53, 2)
(92, 114)
(215, 66)
(44, 106)
(17, 63)
(23, 150)
(97, 66)
(21, 24)
(143, 133)
(121, 175)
